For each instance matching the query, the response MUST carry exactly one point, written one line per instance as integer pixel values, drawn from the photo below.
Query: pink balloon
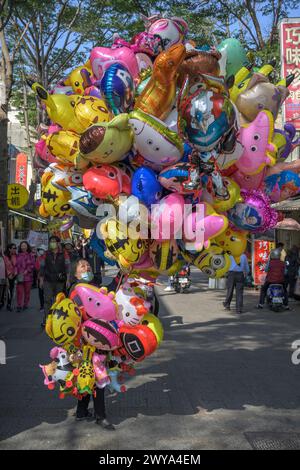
(249, 181)
(255, 139)
(167, 217)
(96, 303)
(144, 61)
(103, 57)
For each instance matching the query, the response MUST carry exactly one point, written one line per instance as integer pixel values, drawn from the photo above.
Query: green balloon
(236, 55)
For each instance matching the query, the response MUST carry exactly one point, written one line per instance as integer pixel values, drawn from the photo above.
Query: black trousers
(99, 404)
(290, 283)
(41, 297)
(235, 280)
(263, 292)
(11, 285)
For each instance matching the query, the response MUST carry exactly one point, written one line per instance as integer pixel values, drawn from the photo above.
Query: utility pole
(32, 188)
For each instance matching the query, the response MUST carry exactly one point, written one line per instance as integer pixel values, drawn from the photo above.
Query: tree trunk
(3, 169)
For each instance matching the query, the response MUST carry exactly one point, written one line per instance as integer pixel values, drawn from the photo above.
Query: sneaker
(259, 306)
(168, 289)
(88, 417)
(286, 307)
(105, 424)
(227, 307)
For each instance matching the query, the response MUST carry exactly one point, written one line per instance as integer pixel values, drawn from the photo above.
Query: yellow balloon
(233, 242)
(73, 112)
(55, 202)
(213, 262)
(155, 325)
(63, 321)
(126, 250)
(64, 145)
(75, 79)
(234, 196)
(242, 79)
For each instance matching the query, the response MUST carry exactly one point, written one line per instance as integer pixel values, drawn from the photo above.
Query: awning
(28, 215)
(288, 205)
(288, 224)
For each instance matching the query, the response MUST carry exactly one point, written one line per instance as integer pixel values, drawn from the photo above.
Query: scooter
(182, 280)
(275, 297)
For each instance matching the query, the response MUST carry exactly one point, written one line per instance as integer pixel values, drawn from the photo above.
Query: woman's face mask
(88, 276)
(53, 245)
(41, 252)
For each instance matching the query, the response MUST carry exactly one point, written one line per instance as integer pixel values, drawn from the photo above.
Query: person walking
(54, 270)
(2, 280)
(292, 267)
(10, 259)
(41, 251)
(25, 267)
(238, 271)
(275, 275)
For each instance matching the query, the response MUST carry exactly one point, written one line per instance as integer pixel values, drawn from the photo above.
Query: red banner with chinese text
(261, 254)
(290, 64)
(21, 169)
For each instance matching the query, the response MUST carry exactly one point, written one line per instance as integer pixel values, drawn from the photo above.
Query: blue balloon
(117, 88)
(145, 186)
(98, 246)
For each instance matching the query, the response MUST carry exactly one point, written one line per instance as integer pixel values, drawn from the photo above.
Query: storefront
(287, 230)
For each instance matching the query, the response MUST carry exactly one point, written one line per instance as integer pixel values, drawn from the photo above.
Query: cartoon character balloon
(145, 186)
(117, 88)
(94, 302)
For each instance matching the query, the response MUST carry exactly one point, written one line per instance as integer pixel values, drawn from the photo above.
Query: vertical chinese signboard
(21, 169)
(290, 64)
(261, 254)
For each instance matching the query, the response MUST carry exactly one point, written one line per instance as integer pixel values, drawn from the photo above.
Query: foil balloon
(282, 186)
(63, 321)
(205, 117)
(233, 242)
(163, 254)
(72, 112)
(230, 199)
(260, 95)
(147, 43)
(105, 142)
(201, 225)
(84, 203)
(64, 175)
(54, 202)
(117, 88)
(154, 141)
(250, 181)
(254, 214)
(103, 57)
(131, 307)
(75, 79)
(158, 96)
(105, 181)
(144, 77)
(213, 262)
(152, 322)
(126, 250)
(235, 55)
(182, 178)
(167, 217)
(64, 145)
(242, 78)
(196, 63)
(257, 142)
(284, 141)
(144, 62)
(145, 186)
(101, 334)
(170, 30)
(94, 302)
(138, 341)
(42, 151)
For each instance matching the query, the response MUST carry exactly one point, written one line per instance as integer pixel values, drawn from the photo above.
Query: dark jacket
(55, 266)
(276, 271)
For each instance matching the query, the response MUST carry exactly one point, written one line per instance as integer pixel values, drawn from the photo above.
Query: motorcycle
(182, 281)
(275, 297)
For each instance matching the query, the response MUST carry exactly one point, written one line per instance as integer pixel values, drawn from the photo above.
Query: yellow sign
(17, 196)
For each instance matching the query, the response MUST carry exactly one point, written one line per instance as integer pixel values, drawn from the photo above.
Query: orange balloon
(158, 96)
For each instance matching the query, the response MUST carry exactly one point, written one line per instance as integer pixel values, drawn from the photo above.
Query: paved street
(217, 382)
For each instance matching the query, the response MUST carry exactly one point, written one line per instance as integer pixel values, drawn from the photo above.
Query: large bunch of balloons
(99, 336)
(163, 123)
(155, 124)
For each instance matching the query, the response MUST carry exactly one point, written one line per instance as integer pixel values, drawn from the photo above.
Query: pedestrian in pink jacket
(25, 268)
